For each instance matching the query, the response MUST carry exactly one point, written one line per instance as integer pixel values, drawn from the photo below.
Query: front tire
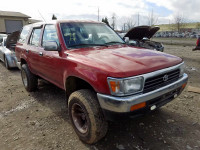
(29, 80)
(86, 116)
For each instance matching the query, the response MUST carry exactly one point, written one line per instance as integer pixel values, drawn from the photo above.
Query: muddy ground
(39, 120)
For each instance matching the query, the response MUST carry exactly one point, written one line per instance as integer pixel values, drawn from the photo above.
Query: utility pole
(98, 13)
(138, 19)
(151, 18)
(113, 20)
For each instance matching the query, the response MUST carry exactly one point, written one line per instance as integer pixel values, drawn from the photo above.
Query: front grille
(159, 81)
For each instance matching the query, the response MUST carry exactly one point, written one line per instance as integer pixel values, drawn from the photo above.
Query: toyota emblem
(165, 78)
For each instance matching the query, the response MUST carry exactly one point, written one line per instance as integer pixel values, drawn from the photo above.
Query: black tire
(89, 113)
(6, 63)
(29, 80)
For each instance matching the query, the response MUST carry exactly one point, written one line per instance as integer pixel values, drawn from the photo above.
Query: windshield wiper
(114, 42)
(89, 45)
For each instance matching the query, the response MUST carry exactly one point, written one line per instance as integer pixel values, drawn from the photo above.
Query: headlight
(182, 70)
(127, 86)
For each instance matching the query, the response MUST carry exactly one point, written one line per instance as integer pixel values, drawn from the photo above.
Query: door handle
(27, 51)
(40, 53)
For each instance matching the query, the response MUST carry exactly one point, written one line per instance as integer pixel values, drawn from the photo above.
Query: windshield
(78, 35)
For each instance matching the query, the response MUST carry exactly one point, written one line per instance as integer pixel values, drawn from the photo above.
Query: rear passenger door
(33, 50)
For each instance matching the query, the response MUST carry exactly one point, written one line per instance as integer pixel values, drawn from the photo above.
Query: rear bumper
(159, 97)
(12, 61)
(196, 48)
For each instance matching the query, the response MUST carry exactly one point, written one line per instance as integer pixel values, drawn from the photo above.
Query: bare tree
(178, 22)
(152, 19)
(128, 23)
(54, 17)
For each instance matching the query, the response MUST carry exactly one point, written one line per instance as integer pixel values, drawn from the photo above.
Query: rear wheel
(29, 80)
(86, 116)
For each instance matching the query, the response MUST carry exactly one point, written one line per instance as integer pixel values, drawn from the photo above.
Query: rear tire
(86, 116)
(29, 80)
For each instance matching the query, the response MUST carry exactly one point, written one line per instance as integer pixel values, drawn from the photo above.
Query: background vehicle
(2, 35)
(140, 36)
(197, 44)
(7, 50)
(103, 77)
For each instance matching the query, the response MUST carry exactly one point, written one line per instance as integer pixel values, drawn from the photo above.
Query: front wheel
(86, 116)
(29, 80)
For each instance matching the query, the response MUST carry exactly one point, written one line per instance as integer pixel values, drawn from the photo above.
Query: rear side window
(24, 34)
(35, 37)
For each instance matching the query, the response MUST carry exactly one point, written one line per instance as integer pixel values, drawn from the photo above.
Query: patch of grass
(170, 27)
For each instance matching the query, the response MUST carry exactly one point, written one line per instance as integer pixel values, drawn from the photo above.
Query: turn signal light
(184, 85)
(138, 106)
(115, 86)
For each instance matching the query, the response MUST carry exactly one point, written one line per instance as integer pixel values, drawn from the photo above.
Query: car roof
(63, 21)
(3, 35)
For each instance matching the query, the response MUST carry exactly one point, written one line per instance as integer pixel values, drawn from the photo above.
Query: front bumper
(123, 104)
(196, 48)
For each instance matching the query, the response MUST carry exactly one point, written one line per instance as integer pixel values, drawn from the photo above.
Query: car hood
(140, 32)
(124, 61)
(12, 39)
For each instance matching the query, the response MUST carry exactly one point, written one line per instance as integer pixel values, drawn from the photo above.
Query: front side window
(50, 34)
(35, 37)
(88, 34)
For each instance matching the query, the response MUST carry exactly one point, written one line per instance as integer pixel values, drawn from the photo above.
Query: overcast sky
(87, 9)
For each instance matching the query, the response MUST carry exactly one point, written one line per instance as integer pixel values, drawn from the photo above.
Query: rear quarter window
(24, 34)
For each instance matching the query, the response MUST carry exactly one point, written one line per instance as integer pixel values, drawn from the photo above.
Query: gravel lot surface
(39, 120)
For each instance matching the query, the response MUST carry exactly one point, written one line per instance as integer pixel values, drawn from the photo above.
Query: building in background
(12, 21)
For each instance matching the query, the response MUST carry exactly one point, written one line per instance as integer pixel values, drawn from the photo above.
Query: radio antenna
(41, 16)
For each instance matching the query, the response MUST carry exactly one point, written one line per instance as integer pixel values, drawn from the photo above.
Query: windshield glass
(89, 34)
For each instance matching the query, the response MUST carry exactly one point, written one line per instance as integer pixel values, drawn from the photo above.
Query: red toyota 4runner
(104, 78)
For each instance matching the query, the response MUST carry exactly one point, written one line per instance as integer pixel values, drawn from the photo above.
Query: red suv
(104, 78)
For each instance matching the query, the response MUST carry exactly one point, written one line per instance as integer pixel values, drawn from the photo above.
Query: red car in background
(197, 44)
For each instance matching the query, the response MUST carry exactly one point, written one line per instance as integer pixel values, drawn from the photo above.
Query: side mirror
(51, 46)
(126, 39)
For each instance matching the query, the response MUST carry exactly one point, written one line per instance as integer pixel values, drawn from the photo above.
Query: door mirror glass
(51, 46)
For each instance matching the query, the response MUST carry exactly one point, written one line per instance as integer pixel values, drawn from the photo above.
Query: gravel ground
(39, 120)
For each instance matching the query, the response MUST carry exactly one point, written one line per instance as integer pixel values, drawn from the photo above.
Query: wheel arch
(23, 61)
(73, 83)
